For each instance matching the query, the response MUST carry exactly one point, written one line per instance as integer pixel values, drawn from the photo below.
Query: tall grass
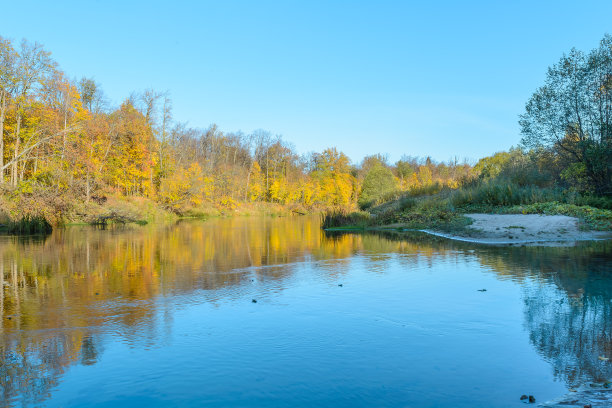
(29, 226)
(339, 218)
(427, 189)
(503, 194)
(500, 194)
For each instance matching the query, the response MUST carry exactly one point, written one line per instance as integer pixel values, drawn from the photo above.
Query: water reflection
(569, 312)
(61, 295)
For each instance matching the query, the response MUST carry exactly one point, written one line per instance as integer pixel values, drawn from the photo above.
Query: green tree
(378, 182)
(572, 113)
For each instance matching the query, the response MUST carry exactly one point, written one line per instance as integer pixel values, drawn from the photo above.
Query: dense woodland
(65, 150)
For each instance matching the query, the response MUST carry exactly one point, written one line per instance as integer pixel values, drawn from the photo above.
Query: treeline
(63, 148)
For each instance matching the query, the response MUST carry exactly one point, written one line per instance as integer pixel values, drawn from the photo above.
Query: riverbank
(21, 213)
(523, 228)
(480, 222)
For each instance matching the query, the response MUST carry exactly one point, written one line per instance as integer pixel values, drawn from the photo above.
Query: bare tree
(33, 66)
(92, 96)
(8, 60)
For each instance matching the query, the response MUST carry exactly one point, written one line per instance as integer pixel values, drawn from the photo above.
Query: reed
(340, 218)
(29, 225)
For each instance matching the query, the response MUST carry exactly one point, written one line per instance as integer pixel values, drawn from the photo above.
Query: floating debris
(602, 358)
(340, 285)
(526, 398)
(254, 300)
(482, 290)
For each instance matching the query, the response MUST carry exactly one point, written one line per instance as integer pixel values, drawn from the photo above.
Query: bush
(593, 201)
(407, 203)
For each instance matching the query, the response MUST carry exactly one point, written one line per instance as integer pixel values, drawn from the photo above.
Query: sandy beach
(524, 228)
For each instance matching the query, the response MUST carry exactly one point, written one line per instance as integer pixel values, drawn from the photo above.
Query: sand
(524, 228)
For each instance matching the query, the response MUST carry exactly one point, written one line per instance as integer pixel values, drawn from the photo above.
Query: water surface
(164, 316)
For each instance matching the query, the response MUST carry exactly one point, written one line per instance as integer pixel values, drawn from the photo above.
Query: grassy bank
(445, 209)
(24, 213)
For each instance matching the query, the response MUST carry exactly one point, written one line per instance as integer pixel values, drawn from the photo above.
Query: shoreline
(506, 229)
(592, 396)
(492, 241)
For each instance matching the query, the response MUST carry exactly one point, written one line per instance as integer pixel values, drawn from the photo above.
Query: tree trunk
(246, 190)
(65, 126)
(3, 98)
(87, 188)
(16, 152)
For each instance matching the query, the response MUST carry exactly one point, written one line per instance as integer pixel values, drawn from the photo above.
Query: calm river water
(161, 316)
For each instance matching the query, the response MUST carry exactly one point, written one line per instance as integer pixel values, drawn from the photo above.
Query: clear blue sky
(417, 78)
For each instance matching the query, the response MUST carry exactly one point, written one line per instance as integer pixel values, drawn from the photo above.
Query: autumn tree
(8, 82)
(32, 67)
(130, 158)
(331, 170)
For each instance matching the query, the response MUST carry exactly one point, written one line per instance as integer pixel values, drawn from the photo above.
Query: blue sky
(419, 78)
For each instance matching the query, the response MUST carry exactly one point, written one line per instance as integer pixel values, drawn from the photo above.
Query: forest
(68, 155)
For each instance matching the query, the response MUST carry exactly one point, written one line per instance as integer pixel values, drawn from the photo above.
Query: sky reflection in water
(163, 316)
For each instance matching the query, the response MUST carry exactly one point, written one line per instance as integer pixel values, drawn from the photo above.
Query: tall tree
(8, 61)
(572, 113)
(33, 66)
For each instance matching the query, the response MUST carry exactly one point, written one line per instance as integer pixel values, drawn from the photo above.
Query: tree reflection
(568, 309)
(59, 294)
